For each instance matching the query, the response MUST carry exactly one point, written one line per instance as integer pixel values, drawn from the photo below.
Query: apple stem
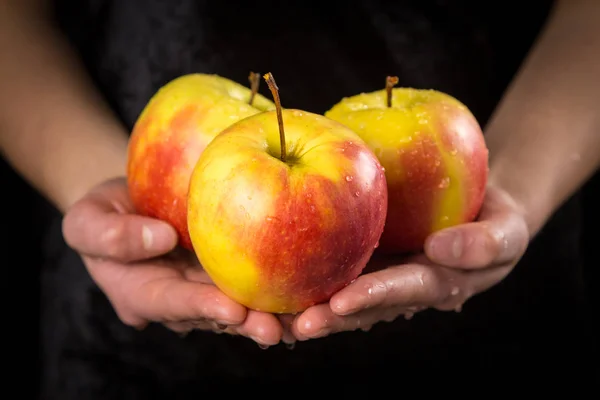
(254, 79)
(390, 82)
(275, 91)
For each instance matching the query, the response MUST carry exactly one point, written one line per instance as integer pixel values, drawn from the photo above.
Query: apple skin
(435, 159)
(279, 236)
(171, 133)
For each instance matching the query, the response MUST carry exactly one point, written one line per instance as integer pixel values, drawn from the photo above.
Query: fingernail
(147, 238)
(447, 246)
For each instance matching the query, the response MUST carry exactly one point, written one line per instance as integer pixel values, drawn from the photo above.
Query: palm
(135, 261)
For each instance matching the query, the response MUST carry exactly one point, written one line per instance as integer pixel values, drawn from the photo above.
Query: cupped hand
(457, 263)
(136, 262)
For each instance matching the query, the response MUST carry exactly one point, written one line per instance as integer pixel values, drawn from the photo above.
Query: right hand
(136, 263)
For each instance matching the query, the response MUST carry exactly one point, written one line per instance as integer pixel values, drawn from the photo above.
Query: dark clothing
(319, 52)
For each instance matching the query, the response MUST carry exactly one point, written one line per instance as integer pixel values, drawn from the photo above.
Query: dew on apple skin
(357, 193)
(349, 178)
(444, 183)
(376, 245)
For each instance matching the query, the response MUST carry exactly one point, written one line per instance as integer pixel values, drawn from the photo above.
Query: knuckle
(114, 241)
(377, 289)
(197, 304)
(426, 286)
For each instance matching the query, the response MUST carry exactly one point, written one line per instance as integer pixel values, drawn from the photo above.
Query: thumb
(499, 236)
(94, 227)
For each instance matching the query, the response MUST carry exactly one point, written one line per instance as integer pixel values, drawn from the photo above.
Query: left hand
(458, 263)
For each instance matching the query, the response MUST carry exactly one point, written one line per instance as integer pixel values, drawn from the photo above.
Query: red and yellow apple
(285, 208)
(171, 133)
(434, 155)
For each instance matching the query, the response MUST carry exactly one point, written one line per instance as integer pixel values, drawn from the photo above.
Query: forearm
(54, 127)
(544, 138)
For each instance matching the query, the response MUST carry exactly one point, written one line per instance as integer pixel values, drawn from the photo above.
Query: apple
(285, 208)
(434, 154)
(171, 133)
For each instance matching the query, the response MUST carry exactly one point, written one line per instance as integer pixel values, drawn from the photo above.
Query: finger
(319, 321)
(500, 236)
(185, 327)
(93, 227)
(406, 285)
(265, 329)
(176, 300)
(286, 323)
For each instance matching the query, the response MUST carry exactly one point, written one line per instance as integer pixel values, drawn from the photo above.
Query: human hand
(458, 263)
(136, 262)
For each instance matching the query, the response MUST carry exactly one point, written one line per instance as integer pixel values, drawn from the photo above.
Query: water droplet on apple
(438, 163)
(423, 121)
(269, 219)
(357, 193)
(349, 178)
(444, 183)
(445, 218)
(453, 152)
(312, 208)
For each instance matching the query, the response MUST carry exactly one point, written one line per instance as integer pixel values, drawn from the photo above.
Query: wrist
(531, 194)
(87, 169)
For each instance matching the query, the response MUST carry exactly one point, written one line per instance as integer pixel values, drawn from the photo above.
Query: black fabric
(319, 51)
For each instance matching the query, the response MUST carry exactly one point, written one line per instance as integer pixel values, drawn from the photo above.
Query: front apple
(282, 235)
(171, 133)
(434, 155)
